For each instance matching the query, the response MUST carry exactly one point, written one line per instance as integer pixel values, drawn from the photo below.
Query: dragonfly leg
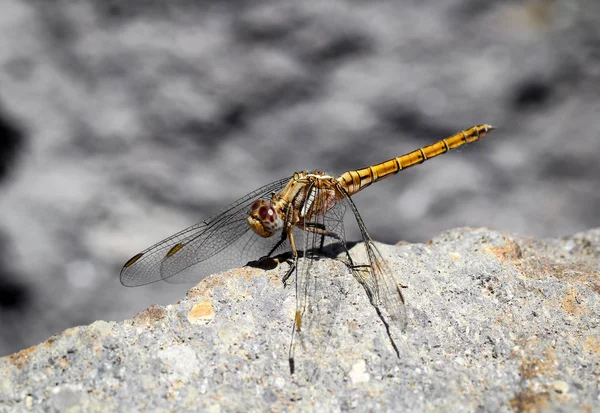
(319, 228)
(355, 268)
(281, 241)
(294, 265)
(288, 274)
(298, 316)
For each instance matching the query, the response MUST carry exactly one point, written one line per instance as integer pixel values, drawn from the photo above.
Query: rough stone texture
(497, 322)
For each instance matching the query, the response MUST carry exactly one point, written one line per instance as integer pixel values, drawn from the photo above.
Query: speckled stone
(497, 322)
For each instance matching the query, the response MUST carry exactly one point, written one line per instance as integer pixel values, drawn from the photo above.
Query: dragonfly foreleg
(294, 264)
(276, 247)
(288, 274)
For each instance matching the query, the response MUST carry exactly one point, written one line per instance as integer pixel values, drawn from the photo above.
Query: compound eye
(255, 205)
(266, 213)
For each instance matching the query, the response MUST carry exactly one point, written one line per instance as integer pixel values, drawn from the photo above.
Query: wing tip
(132, 261)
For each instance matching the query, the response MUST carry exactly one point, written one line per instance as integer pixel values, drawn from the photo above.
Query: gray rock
(496, 322)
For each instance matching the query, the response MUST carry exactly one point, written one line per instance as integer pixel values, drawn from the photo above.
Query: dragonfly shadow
(336, 251)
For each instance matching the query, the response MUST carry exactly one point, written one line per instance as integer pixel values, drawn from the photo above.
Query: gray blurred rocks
(497, 322)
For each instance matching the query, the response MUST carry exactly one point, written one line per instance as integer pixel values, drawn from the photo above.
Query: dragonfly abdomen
(354, 181)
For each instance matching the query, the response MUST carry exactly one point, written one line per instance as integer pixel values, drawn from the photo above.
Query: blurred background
(124, 122)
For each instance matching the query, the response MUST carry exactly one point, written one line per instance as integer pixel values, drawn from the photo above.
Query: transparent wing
(376, 277)
(322, 235)
(319, 293)
(221, 242)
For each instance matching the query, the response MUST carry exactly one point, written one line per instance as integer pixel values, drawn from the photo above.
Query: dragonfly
(298, 215)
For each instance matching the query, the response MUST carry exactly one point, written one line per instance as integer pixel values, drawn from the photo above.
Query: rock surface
(122, 122)
(496, 322)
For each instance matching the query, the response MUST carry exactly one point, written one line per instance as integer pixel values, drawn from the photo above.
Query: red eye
(255, 205)
(267, 214)
(263, 212)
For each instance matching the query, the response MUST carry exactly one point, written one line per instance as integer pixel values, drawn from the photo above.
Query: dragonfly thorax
(264, 218)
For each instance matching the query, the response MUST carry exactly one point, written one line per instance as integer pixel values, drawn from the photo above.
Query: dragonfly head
(264, 218)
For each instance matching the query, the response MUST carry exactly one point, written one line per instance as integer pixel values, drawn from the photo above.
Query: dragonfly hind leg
(319, 228)
(355, 268)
